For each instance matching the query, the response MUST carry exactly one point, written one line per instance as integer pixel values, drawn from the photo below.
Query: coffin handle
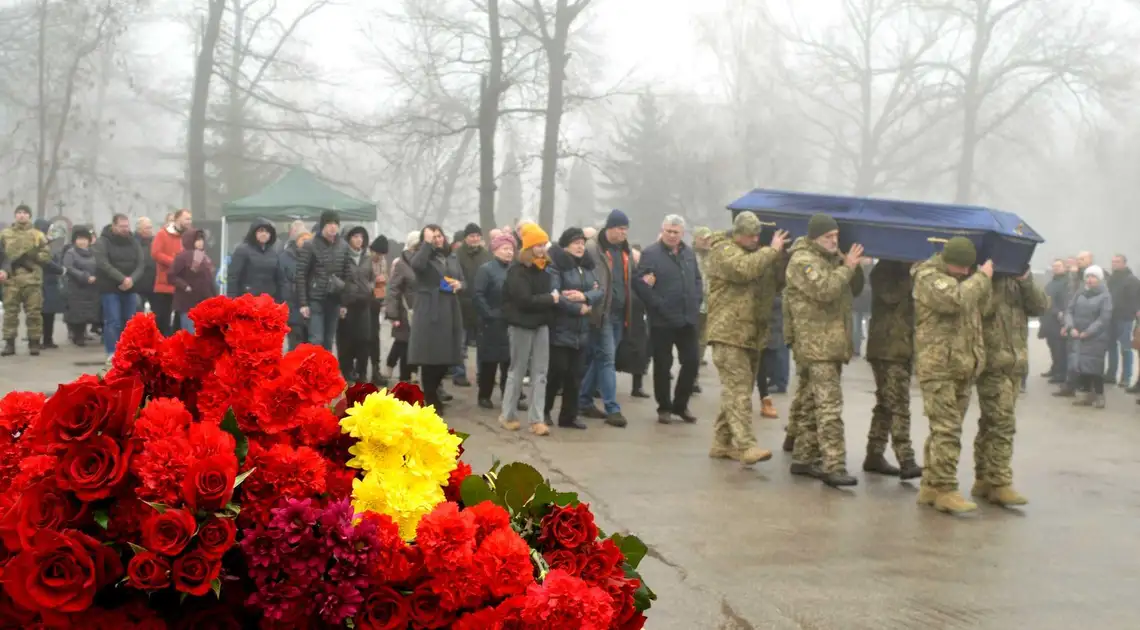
(935, 239)
(768, 223)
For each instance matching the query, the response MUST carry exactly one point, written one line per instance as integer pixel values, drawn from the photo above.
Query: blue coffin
(899, 230)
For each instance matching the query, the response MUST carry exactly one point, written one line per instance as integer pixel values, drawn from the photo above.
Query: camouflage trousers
(817, 418)
(993, 448)
(945, 404)
(737, 369)
(30, 296)
(890, 419)
(704, 340)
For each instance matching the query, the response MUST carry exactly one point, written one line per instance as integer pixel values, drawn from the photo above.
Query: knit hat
(472, 229)
(960, 252)
(617, 218)
(379, 245)
(458, 237)
(327, 217)
(80, 232)
(746, 224)
(412, 240)
(1095, 270)
(821, 224)
(533, 236)
(502, 240)
(570, 235)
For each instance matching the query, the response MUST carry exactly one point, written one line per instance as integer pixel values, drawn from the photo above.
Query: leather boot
(34, 347)
(724, 452)
(954, 503)
(754, 455)
(980, 490)
(789, 443)
(909, 469)
(1005, 496)
(768, 408)
(839, 479)
(926, 495)
(9, 348)
(877, 463)
(805, 470)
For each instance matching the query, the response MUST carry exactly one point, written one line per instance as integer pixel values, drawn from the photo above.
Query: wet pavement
(737, 549)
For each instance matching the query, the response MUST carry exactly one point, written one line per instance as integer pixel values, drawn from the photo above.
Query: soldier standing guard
(26, 252)
(949, 355)
(741, 287)
(1005, 322)
(890, 349)
(821, 285)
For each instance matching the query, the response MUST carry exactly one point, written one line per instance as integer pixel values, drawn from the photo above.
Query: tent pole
(225, 261)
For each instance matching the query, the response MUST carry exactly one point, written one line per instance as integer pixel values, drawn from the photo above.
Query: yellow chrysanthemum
(407, 454)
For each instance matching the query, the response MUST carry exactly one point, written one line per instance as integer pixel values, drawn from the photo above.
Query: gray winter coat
(1090, 312)
(1057, 291)
(401, 296)
(493, 343)
(53, 279)
(255, 268)
(81, 296)
(437, 324)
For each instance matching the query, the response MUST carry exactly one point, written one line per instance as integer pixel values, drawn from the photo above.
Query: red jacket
(165, 247)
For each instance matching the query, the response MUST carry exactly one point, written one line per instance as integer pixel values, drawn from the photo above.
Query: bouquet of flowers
(206, 481)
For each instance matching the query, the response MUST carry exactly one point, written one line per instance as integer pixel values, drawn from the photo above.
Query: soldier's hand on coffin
(3, 276)
(305, 312)
(779, 239)
(649, 279)
(854, 255)
(1026, 275)
(987, 268)
(585, 309)
(1084, 335)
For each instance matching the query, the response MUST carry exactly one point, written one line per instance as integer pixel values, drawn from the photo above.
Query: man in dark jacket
(670, 268)
(255, 267)
(352, 337)
(322, 271)
(144, 234)
(472, 255)
(119, 266)
(1125, 290)
(1058, 292)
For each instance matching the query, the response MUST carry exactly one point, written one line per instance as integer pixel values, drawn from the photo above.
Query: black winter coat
(571, 329)
(1057, 290)
(492, 344)
(321, 270)
(674, 300)
(1122, 285)
(288, 263)
(527, 302)
(361, 279)
(470, 260)
(146, 283)
(632, 356)
(117, 258)
(255, 268)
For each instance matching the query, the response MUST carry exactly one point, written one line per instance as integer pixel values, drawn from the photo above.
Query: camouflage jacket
(741, 287)
(702, 266)
(25, 253)
(1005, 323)
(890, 336)
(948, 342)
(817, 303)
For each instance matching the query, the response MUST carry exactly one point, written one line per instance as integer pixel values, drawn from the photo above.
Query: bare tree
(196, 134)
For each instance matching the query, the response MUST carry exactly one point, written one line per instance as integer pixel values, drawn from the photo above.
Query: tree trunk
(233, 162)
(556, 58)
(97, 141)
(453, 171)
(41, 107)
(490, 94)
(196, 140)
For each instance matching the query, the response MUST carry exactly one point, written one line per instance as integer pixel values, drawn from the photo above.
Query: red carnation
(318, 426)
(484, 619)
(488, 518)
(564, 601)
(409, 393)
(621, 591)
(59, 573)
(602, 560)
(148, 571)
(194, 571)
(459, 589)
(395, 562)
(455, 481)
(161, 468)
(216, 536)
(207, 440)
(568, 527)
(209, 483)
(447, 538)
(42, 506)
(83, 409)
(137, 350)
(312, 373)
(168, 533)
(18, 411)
(504, 561)
(427, 612)
(162, 418)
(384, 609)
(93, 468)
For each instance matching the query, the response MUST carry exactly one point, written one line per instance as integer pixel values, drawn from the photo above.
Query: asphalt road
(737, 549)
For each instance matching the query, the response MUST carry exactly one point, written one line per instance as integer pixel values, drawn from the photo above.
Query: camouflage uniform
(741, 287)
(818, 297)
(1005, 324)
(26, 251)
(949, 357)
(890, 349)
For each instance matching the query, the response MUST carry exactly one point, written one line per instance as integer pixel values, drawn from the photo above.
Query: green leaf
(462, 436)
(135, 548)
(566, 499)
(182, 598)
(516, 484)
(643, 597)
(474, 490)
(495, 463)
(216, 586)
(632, 548)
(230, 425)
(232, 510)
(240, 478)
(543, 498)
(160, 508)
(101, 518)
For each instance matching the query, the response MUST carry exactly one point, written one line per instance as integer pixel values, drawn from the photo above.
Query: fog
(450, 111)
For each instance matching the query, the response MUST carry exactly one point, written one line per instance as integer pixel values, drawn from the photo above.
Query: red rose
(354, 394)
(427, 611)
(57, 574)
(93, 468)
(42, 506)
(568, 527)
(168, 533)
(216, 536)
(602, 560)
(148, 571)
(209, 484)
(384, 609)
(194, 571)
(79, 411)
(108, 565)
(411, 394)
(565, 560)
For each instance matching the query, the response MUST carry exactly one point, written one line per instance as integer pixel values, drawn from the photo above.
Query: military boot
(754, 455)
(768, 408)
(953, 502)
(877, 463)
(839, 479)
(34, 347)
(926, 495)
(1005, 496)
(805, 470)
(980, 490)
(9, 348)
(724, 452)
(789, 443)
(909, 469)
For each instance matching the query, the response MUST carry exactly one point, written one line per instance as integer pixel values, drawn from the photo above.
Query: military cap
(746, 224)
(960, 252)
(821, 224)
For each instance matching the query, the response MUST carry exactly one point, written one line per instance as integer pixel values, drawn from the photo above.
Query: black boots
(877, 463)
(9, 348)
(34, 347)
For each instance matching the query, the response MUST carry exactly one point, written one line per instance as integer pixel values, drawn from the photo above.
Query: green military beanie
(821, 224)
(746, 224)
(959, 251)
